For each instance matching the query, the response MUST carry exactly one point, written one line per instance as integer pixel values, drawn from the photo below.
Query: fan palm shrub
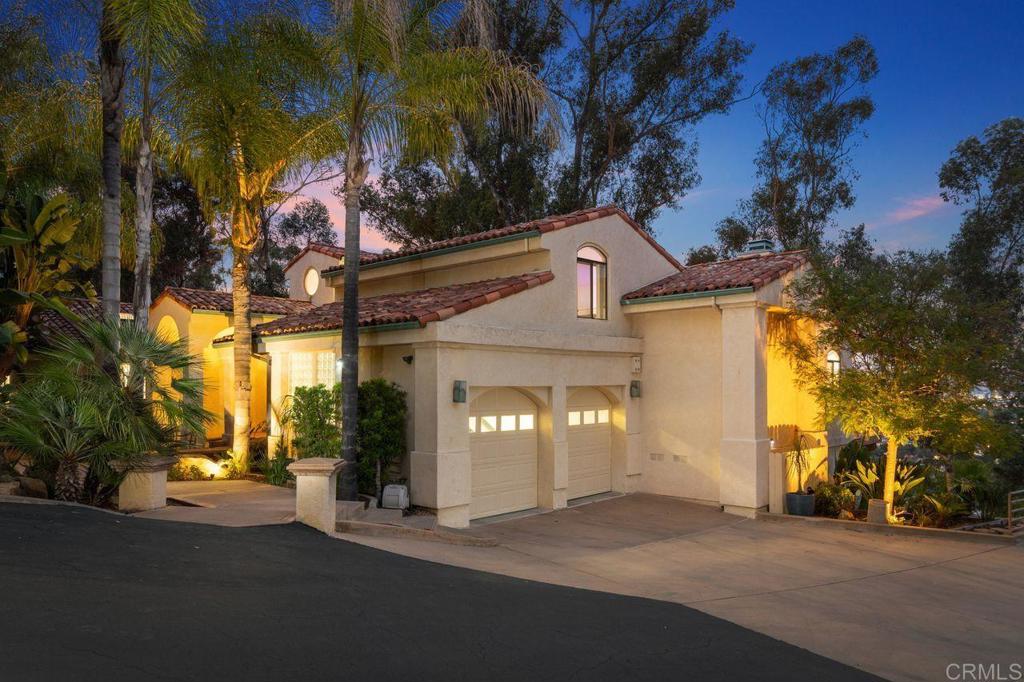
(111, 392)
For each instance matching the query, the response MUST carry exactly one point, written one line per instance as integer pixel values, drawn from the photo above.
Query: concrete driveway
(903, 608)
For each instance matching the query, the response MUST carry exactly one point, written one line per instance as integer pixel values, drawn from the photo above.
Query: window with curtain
(591, 283)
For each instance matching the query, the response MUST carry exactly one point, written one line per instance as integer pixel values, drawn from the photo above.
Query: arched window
(832, 360)
(591, 283)
(311, 281)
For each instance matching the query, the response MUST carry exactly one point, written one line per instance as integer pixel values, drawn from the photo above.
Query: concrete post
(145, 485)
(743, 453)
(316, 481)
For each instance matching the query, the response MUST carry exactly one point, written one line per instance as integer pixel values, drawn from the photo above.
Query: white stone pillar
(440, 472)
(145, 485)
(743, 451)
(316, 481)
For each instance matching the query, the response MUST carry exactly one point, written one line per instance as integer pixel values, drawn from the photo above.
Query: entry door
(590, 443)
(503, 453)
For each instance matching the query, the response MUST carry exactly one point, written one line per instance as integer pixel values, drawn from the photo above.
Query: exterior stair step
(349, 509)
(378, 516)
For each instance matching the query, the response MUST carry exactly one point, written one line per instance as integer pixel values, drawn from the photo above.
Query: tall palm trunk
(143, 217)
(355, 175)
(240, 296)
(112, 82)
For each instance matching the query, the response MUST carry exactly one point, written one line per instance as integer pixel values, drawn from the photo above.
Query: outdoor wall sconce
(459, 391)
(407, 359)
(634, 389)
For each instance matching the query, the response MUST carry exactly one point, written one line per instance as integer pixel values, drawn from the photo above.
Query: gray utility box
(395, 497)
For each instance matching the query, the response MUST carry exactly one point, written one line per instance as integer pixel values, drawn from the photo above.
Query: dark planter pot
(799, 504)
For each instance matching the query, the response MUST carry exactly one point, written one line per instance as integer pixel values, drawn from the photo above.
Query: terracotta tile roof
(549, 224)
(47, 323)
(419, 307)
(328, 250)
(204, 299)
(749, 271)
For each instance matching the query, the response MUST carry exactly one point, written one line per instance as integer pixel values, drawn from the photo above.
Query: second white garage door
(590, 443)
(503, 453)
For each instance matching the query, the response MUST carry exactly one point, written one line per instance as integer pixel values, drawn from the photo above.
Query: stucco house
(546, 362)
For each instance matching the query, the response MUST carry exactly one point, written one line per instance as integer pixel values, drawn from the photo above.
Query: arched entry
(590, 443)
(503, 452)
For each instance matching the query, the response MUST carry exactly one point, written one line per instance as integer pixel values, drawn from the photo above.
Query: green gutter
(394, 326)
(689, 295)
(441, 252)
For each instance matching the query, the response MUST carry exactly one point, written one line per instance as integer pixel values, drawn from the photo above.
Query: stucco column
(627, 443)
(553, 451)
(743, 471)
(440, 473)
(278, 391)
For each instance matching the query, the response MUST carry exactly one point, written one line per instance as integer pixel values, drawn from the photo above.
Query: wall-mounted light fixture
(459, 391)
(407, 359)
(634, 389)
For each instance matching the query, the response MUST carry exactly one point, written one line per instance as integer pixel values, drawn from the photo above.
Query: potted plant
(801, 502)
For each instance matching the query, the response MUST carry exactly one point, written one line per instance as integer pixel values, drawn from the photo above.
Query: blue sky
(947, 70)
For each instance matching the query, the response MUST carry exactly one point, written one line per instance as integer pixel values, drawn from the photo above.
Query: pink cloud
(369, 239)
(912, 209)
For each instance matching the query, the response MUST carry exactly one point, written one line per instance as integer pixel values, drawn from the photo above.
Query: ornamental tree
(918, 353)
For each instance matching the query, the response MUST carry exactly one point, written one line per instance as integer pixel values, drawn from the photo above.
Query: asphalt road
(86, 595)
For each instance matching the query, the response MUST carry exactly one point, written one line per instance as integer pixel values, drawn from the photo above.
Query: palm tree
(248, 122)
(411, 72)
(112, 81)
(154, 31)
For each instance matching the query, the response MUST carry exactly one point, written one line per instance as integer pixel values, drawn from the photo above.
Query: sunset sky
(947, 70)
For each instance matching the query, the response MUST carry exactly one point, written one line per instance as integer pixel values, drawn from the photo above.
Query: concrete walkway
(226, 503)
(902, 608)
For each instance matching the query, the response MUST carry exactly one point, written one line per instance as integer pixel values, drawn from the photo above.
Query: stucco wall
(791, 404)
(682, 399)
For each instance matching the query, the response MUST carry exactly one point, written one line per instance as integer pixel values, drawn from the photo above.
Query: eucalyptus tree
(154, 32)
(813, 113)
(410, 73)
(250, 108)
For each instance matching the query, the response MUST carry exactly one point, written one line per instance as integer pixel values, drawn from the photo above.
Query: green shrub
(869, 481)
(180, 472)
(831, 498)
(382, 411)
(313, 417)
(853, 452)
(276, 469)
(940, 510)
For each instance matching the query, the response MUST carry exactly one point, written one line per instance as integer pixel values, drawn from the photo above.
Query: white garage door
(590, 443)
(503, 452)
